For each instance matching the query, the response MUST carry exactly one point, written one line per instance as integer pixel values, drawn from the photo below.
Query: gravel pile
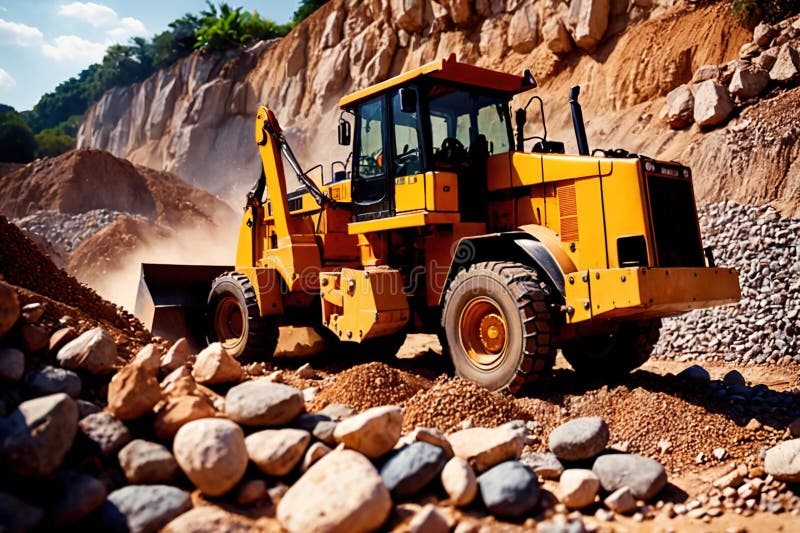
(370, 385)
(764, 326)
(66, 230)
(455, 403)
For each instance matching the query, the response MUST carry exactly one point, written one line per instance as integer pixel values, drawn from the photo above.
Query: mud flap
(171, 300)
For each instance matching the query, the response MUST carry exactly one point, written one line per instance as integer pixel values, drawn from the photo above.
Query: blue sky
(45, 42)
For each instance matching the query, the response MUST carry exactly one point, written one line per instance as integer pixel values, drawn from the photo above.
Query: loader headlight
(649, 167)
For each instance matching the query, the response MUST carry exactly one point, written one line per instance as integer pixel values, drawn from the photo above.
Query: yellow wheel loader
(440, 221)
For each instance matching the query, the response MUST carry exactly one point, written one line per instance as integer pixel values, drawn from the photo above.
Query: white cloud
(100, 16)
(128, 27)
(19, 34)
(97, 15)
(6, 80)
(75, 49)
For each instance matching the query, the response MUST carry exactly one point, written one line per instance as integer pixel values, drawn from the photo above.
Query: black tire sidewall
(483, 283)
(220, 290)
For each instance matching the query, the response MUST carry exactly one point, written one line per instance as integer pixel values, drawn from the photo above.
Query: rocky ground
(104, 429)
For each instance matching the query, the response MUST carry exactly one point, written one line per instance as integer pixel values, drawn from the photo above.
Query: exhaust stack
(577, 120)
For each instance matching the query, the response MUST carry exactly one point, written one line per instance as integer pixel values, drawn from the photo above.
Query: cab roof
(449, 70)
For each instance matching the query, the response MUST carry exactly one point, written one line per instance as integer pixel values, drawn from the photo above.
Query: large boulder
(143, 508)
(407, 15)
(106, 431)
(588, 21)
(556, 37)
(523, 30)
(215, 365)
(545, 465)
(411, 468)
(484, 447)
(80, 495)
(277, 451)
(94, 352)
(51, 380)
(148, 359)
(680, 104)
(783, 461)
(177, 356)
(712, 103)
(133, 391)
(458, 480)
(147, 462)
(578, 487)
(787, 65)
(644, 476)
(263, 403)
(748, 82)
(764, 33)
(210, 519)
(9, 308)
(509, 490)
(581, 438)
(341, 493)
(18, 515)
(212, 454)
(373, 432)
(38, 435)
(12, 364)
(180, 410)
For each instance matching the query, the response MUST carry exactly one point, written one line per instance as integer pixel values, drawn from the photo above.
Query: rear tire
(497, 326)
(615, 354)
(236, 322)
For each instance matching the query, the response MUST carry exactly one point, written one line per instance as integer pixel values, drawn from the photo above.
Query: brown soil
(22, 264)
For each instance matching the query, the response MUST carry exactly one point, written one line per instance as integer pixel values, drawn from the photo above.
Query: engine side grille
(568, 212)
(673, 215)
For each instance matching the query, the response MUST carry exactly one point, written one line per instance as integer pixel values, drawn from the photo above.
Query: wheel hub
(483, 333)
(229, 322)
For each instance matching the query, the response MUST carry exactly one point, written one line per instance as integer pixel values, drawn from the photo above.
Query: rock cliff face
(195, 118)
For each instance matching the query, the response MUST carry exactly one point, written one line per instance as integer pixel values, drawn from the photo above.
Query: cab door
(372, 190)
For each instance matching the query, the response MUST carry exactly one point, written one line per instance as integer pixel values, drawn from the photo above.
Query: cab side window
(369, 183)
(406, 140)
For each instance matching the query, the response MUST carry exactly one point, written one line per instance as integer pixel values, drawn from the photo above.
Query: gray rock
(509, 490)
(748, 82)
(277, 451)
(581, 438)
(94, 352)
(50, 380)
(621, 501)
(106, 431)
(783, 461)
(764, 33)
(712, 103)
(373, 432)
(429, 520)
(695, 374)
(12, 364)
(38, 435)
(147, 462)
(545, 465)
(80, 495)
(734, 377)
(644, 476)
(411, 468)
(319, 425)
(787, 65)
(143, 508)
(17, 515)
(263, 403)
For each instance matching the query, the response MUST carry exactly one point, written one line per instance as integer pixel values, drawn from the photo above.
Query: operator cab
(421, 137)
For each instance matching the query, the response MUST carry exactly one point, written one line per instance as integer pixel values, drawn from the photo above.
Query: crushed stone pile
(451, 402)
(764, 327)
(66, 230)
(371, 385)
(22, 264)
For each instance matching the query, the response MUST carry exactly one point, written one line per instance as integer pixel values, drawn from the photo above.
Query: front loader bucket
(171, 300)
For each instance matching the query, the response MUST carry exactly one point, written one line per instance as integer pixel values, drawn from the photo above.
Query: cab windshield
(466, 127)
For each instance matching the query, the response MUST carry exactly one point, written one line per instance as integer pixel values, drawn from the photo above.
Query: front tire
(497, 325)
(236, 322)
(625, 347)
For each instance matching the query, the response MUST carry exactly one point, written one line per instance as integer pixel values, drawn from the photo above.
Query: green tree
(17, 144)
(52, 142)
(305, 9)
(225, 27)
(769, 10)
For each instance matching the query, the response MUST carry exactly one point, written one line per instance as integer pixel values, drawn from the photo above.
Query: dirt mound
(451, 401)
(99, 255)
(22, 264)
(370, 385)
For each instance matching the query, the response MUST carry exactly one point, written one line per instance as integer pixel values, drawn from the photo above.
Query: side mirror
(408, 100)
(344, 133)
